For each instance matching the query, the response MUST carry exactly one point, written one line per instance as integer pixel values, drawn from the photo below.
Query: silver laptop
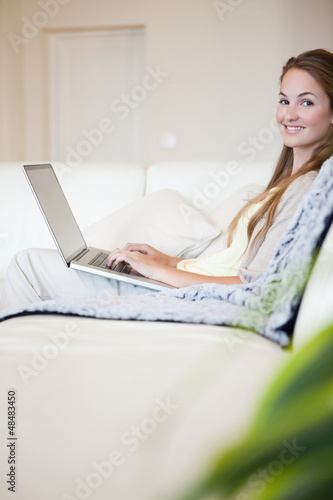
(67, 235)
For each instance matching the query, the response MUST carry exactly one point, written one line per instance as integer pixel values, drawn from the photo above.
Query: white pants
(40, 274)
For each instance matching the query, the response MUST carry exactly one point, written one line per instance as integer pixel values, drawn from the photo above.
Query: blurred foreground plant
(288, 452)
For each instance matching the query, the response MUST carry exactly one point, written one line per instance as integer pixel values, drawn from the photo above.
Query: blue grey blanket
(267, 306)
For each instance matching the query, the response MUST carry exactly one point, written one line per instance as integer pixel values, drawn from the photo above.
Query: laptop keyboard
(100, 260)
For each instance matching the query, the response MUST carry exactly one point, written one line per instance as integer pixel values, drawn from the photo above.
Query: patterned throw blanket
(267, 306)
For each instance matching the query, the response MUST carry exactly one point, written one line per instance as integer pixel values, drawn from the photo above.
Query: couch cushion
(112, 376)
(224, 213)
(162, 219)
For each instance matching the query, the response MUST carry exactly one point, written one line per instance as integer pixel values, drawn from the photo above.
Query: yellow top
(226, 262)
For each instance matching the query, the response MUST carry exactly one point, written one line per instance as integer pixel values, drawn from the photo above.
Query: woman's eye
(307, 103)
(283, 101)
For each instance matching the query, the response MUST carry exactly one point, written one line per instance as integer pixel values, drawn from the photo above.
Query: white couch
(124, 409)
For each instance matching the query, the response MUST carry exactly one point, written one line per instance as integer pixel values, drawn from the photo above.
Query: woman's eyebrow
(300, 95)
(307, 93)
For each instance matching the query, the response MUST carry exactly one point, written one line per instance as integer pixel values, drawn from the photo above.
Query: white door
(97, 101)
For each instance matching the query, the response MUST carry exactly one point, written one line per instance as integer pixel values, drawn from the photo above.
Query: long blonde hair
(319, 63)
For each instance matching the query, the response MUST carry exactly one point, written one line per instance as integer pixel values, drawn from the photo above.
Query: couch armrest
(316, 311)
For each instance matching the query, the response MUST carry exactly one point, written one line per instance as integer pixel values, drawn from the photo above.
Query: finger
(129, 246)
(113, 256)
(136, 247)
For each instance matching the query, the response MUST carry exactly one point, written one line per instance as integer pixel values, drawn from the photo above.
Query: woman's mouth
(293, 129)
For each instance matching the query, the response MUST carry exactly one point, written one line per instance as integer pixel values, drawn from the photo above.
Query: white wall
(222, 59)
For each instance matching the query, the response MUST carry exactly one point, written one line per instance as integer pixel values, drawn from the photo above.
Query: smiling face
(304, 114)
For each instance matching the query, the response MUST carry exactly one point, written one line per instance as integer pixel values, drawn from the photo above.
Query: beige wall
(223, 59)
(12, 85)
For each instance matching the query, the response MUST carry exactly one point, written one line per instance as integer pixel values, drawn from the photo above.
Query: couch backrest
(208, 184)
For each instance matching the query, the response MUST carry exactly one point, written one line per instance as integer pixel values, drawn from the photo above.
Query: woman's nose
(291, 113)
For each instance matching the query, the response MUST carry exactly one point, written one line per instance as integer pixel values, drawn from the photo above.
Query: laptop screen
(56, 210)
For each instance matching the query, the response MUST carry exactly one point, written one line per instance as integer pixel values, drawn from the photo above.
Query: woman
(305, 119)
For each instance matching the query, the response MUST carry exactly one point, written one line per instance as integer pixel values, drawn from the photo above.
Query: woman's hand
(156, 265)
(147, 250)
(143, 258)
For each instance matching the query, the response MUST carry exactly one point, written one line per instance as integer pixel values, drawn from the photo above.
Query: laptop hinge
(81, 254)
